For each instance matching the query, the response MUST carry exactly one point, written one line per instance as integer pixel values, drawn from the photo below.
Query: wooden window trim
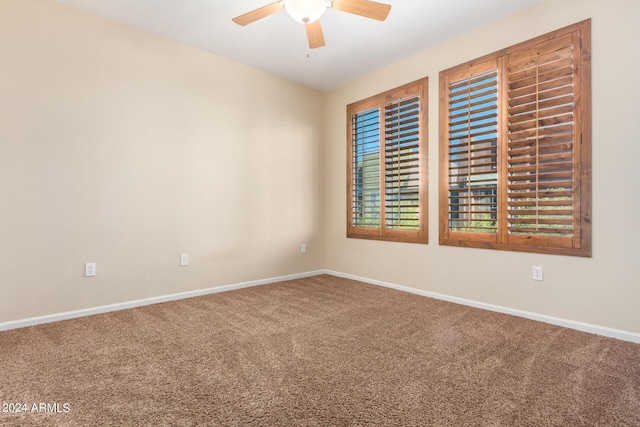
(382, 232)
(580, 244)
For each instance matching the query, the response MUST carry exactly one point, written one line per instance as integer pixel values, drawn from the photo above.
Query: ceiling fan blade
(315, 35)
(259, 13)
(368, 9)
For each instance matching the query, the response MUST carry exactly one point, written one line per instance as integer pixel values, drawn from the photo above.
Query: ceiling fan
(308, 13)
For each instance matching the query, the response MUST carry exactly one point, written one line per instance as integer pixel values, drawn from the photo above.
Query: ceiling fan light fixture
(306, 11)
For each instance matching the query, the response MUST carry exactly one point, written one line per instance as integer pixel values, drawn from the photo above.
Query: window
(387, 161)
(515, 147)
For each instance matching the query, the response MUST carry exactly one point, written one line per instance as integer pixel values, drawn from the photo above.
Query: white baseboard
(147, 301)
(580, 326)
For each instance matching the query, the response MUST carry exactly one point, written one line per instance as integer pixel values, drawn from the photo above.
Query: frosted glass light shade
(305, 11)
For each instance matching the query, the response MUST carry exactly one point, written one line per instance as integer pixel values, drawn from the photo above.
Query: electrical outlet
(184, 260)
(303, 248)
(90, 269)
(537, 273)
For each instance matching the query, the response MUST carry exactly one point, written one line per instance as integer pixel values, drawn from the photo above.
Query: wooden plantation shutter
(365, 169)
(543, 150)
(402, 164)
(525, 113)
(387, 166)
(473, 156)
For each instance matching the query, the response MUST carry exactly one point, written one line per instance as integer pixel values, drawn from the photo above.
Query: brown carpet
(320, 351)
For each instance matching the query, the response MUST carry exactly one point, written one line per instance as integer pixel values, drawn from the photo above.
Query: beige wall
(127, 149)
(603, 290)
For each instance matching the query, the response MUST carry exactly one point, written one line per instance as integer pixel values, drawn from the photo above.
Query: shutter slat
(540, 185)
(474, 136)
(542, 105)
(541, 90)
(558, 140)
(464, 113)
(558, 92)
(545, 68)
(547, 151)
(533, 124)
(541, 177)
(542, 212)
(539, 195)
(540, 113)
(538, 220)
(540, 231)
(482, 81)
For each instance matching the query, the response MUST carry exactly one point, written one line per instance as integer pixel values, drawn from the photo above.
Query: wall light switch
(303, 248)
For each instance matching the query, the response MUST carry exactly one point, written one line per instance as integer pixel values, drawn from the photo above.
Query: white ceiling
(355, 46)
